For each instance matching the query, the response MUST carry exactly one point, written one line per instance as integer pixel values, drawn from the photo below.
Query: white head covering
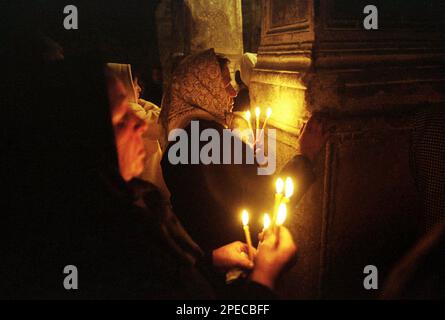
(149, 112)
(247, 64)
(123, 73)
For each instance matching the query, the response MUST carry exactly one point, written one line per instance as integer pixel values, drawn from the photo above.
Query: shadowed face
(128, 130)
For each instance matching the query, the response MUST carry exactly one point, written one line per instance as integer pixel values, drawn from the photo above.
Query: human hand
(233, 255)
(274, 252)
(313, 136)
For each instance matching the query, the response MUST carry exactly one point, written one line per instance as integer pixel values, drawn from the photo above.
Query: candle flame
(266, 221)
(269, 112)
(248, 115)
(245, 217)
(257, 112)
(282, 212)
(289, 190)
(279, 185)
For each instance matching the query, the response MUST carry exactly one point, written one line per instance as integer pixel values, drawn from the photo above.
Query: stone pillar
(215, 24)
(315, 56)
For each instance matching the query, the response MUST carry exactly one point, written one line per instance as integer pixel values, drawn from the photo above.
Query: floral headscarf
(196, 91)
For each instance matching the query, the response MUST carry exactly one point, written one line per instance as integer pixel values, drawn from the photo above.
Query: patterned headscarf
(195, 91)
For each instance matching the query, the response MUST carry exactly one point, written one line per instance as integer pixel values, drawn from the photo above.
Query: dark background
(118, 31)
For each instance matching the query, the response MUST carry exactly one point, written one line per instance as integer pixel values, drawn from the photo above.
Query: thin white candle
(288, 190)
(281, 217)
(266, 225)
(257, 123)
(279, 186)
(268, 114)
(245, 219)
(282, 213)
(248, 118)
(266, 221)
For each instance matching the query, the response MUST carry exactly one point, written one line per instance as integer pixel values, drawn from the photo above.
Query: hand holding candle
(272, 257)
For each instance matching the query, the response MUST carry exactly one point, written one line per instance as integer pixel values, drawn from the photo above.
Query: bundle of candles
(258, 135)
(279, 211)
(278, 219)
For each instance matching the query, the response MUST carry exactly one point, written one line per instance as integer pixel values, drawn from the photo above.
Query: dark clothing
(421, 273)
(428, 162)
(208, 199)
(67, 204)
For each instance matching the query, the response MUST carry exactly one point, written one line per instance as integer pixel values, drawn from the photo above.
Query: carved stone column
(315, 56)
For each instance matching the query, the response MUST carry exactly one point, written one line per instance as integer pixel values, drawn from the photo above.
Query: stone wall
(189, 26)
(315, 56)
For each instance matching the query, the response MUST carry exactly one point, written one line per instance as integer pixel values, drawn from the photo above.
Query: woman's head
(199, 88)
(128, 130)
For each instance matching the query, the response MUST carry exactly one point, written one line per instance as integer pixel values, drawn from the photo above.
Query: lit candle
(281, 217)
(279, 185)
(266, 221)
(282, 213)
(257, 123)
(245, 218)
(248, 116)
(288, 189)
(266, 225)
(268, 114)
